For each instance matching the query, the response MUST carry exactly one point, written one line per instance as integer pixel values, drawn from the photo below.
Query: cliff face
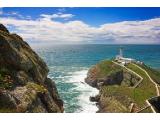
(24, 86)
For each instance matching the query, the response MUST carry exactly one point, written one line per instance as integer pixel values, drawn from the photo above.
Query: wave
(73, 89)
(78, 79)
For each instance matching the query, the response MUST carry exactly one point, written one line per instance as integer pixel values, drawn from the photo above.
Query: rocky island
(125, 85)
(24, 85)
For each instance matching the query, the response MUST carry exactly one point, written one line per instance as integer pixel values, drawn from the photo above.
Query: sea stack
(24, 85)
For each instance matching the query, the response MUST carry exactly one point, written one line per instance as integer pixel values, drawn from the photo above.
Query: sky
(84, 25)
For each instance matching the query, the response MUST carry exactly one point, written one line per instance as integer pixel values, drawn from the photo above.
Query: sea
(69, 64)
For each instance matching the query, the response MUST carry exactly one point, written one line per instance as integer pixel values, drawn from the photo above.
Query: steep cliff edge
(24, 86)
(120, 90)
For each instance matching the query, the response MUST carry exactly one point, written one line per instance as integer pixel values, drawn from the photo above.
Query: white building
(122, 59)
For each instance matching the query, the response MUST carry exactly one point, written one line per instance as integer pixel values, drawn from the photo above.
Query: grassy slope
(107, 67)
(155, 74)
(145, 90)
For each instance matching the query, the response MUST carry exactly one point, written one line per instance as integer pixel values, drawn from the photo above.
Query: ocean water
(68, 65)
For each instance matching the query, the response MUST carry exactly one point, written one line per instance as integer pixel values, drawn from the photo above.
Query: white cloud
(58, 15)
(135, 31)
(47, 30)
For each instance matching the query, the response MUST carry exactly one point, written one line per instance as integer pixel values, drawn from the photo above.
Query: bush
(36, 87)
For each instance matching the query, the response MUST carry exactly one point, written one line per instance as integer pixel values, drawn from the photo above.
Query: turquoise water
(68, 66)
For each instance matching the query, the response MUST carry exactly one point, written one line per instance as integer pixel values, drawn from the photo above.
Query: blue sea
(68, 65)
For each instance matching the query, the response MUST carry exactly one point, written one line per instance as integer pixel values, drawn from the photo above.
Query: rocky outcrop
(103, 76)
(24, 86)
(111, 79)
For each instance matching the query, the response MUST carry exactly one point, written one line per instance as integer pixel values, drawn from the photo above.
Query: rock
(7, 100)
(92, 76)
(25, 98)
(112, 78)
(95, 98)
(17, 54)
(23, 75)
(3, 28)
(37, 107)
(50, 84)
(51, 105)
(22, 78)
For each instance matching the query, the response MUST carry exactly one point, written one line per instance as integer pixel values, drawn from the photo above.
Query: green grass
(107, 67)
(144, 91)
(137, 95)
(146, 88)
(154, 74)
(146, 83)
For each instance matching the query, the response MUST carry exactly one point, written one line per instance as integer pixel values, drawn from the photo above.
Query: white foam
(86, 91)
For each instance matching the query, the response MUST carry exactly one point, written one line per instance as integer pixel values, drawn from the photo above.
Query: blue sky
(93, 16)
(85, 25)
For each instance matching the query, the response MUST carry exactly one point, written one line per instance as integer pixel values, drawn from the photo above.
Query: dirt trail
(156, 85)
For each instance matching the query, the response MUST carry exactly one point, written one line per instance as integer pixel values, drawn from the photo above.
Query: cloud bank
(46, 29)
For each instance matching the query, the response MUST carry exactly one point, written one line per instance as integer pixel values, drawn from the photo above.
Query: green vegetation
(114, 104)
(7, 110)
(146, 83)
(137, 95)
(36, 87)
(107, 67)
(5, 79)
(124, 94)
(146, 88)
(154, 74)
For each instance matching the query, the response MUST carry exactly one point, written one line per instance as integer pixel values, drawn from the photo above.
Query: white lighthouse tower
(121, 59)
(121, 52)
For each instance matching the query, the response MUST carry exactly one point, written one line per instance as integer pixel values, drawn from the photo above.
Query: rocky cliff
(117, 91)
(24, 86)
(107, 73)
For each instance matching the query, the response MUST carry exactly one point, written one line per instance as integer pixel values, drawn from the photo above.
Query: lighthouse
(121, 52)
(121, 59)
